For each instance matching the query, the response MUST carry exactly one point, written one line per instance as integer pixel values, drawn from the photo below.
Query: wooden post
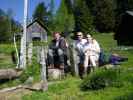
(43, 64)
(75, 59)
(30, 49)
(43, 68)
(38, 49)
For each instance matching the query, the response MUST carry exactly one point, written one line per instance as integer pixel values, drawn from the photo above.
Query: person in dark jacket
(57, 51)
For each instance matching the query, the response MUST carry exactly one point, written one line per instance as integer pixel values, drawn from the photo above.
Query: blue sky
(17, 7)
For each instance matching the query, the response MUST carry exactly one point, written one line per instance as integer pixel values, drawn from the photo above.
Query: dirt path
(14, 94)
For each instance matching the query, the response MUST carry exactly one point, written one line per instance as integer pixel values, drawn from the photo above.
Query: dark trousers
(55, 56)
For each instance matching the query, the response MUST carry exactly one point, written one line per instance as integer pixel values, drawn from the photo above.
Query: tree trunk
(9, 73)
(75, 57)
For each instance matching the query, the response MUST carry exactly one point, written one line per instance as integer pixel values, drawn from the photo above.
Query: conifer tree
(104, 15)
(41, 13)
(64, 20)
(51, 15)
(83, 18)
(8, 26)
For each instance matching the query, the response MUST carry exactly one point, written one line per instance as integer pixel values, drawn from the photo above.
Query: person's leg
(114, 60)
(61, 57)
(81, 70)
(93, 60)
(51, 58)
(66, 64)
(86, 60)
(83, 65)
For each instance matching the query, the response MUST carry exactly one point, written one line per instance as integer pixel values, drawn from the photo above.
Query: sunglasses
(78, 35)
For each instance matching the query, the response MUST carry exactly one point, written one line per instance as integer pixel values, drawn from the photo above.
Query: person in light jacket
(91, 52)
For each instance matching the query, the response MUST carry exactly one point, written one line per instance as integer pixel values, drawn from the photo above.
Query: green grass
(109, 45)
(7, 48)
(106, 41)
(5, 55)
(69, 88)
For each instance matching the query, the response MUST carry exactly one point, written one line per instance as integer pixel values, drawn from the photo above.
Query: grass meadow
(69, 87)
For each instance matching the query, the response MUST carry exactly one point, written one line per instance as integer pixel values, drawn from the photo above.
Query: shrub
(128, 96)
(100, 79)
(24, 77)
(33, 70)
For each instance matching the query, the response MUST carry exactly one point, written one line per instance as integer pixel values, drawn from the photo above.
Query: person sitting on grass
(107, 58)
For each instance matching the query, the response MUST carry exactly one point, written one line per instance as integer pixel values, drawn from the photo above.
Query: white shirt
(92, 48)
(79, 45)
(57, 43)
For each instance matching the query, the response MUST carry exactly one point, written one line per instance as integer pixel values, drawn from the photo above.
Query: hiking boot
(51, 66)
(61, 66)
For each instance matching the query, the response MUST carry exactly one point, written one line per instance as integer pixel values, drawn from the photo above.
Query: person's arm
(96, 47)
(63, 44)
(52, 45)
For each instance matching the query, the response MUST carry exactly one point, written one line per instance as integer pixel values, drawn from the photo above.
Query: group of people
(87, 49)
(89, 54)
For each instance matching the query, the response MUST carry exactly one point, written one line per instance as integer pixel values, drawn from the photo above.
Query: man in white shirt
(79, 46)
